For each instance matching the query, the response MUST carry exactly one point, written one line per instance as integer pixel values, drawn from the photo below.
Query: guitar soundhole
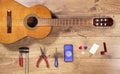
(32, 22)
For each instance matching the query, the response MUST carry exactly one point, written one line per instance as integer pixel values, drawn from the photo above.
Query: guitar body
(18, 15)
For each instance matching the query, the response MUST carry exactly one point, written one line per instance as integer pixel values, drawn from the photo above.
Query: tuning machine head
(103, 22)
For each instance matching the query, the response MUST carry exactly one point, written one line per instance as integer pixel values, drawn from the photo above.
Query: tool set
(68, 55)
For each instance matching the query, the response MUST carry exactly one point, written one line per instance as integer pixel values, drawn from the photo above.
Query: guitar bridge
(9, 21)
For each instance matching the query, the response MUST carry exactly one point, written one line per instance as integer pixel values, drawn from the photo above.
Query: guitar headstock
(103, 22)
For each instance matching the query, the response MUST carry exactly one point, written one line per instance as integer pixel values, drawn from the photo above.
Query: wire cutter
(42, 56)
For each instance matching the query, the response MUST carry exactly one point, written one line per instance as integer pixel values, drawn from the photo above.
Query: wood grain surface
(82, 64)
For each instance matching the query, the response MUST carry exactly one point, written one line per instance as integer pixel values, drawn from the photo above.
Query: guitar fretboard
(65, 22)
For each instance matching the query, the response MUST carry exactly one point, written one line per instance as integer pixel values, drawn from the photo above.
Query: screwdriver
(56, 59)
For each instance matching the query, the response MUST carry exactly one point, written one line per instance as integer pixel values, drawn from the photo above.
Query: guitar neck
(65, 22)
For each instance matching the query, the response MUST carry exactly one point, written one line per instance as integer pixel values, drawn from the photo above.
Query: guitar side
(18, 15)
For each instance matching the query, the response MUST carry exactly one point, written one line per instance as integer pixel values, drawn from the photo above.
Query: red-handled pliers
(42, 56)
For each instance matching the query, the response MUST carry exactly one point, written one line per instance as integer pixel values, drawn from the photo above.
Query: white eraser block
(94, 48)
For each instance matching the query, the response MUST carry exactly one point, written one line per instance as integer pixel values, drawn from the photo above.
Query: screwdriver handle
(20, 61)
(56, 62)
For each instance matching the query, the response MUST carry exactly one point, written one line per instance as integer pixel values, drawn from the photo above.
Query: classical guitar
(17, 21)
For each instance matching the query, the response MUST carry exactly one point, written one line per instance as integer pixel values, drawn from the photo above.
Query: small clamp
(21, 51)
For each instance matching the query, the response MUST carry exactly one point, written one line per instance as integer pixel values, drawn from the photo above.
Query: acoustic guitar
(17, 22)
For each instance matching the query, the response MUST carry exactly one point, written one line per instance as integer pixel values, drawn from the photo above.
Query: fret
(72, 21)
(55, 23)
(49, 21)
(67, 22)
(79, 22)
(59, 21)
(75, 22)
(63, 22)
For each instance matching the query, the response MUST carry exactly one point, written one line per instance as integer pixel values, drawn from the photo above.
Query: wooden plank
(83, 7)
(85, 66)
(77, 7)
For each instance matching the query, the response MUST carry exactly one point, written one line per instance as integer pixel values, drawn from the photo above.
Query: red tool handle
(46, 61)
(21, 61)
(105, 48)
(38, 61)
